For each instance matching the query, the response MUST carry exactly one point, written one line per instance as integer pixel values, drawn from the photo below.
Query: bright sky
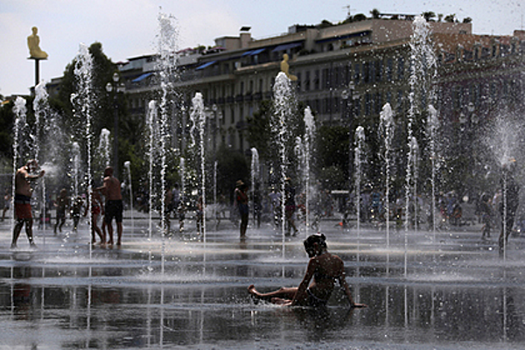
(127, 28)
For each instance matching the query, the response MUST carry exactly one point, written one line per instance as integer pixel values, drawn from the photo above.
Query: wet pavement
(444, 290)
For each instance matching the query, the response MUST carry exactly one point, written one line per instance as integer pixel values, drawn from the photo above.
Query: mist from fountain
(359, 160)
(104, 147)
(386, 129)
(40, 104)
(255, 173)
(127, 165)
(309, 139)
(20, 111)
(283, 97)
(166, 65)
(198, 118)
(83, 102)
(432, 133)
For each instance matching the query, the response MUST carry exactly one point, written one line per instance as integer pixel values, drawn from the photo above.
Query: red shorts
(23, 211)
(95, 210)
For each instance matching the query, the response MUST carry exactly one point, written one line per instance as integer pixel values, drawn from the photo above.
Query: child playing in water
(324, 268)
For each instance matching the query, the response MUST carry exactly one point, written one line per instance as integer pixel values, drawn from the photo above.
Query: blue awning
(142, 77)
(207, 64)
(253, 52)
(286, 47)
(256, 52)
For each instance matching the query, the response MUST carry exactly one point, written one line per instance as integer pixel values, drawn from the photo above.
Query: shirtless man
(23, 192)
(111, 190)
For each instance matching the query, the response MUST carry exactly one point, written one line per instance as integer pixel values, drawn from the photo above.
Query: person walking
(7, 201)
(23, 191)
(241, 202)
(61, 205)
(111, 190)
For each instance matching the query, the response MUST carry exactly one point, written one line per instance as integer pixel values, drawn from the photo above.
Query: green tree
(333, 162)
(231, 166)
(7, 119)
(375, 14)
(429, 16)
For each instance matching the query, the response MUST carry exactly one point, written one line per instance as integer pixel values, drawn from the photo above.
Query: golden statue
(33, 42)
(285, 67)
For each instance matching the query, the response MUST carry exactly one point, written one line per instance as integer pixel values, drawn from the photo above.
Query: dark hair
(318, 238)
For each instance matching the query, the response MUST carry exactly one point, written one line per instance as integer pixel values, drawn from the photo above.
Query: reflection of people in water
(285, 67)
(324, 268)
(33, 42)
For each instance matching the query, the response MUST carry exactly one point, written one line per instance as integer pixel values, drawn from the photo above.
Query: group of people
(241, 199)
(112, 209)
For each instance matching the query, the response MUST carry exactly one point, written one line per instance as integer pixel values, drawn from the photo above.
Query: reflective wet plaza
(447, 290)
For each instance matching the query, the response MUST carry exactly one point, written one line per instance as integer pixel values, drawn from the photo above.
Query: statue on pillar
(33, 42)
(285, 67)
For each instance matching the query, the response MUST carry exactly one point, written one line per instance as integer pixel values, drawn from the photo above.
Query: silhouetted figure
(23, 191)
(509, 203)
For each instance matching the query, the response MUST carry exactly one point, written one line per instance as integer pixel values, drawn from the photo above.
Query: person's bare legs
(280, 296)
(119, 233)
(29, 232)
(109, 227)
(16, 232)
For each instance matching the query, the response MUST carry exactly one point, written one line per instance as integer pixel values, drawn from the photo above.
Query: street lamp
(116, 88)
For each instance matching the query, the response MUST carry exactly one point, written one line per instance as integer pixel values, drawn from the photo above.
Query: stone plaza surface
(444, 290)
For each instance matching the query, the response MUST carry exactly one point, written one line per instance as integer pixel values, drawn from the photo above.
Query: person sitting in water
(324, 268)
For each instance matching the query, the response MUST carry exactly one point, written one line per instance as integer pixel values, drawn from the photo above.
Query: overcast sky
(127, 28)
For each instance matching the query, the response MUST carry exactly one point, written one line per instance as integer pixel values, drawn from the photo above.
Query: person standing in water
(61, 204)
(510, 201)
(7, 201)
(113, 207)
(324, 268)
(23, 192)
(241, 202)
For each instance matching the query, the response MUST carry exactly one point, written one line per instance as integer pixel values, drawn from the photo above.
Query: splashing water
(104, 147)
(422, 72)
(20, 111)
(386, 128)
(127, 165)
(198, 118)
(283, 95)
(83, 101)
(152, 123)
(166, 66)
(308, 140)
(432, 129)
(358, 167)
(255, 170)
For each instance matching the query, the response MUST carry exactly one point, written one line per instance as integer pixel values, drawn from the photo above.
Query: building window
(368, 104)
(316, 79)
(307, 81)
(401, 68)
(326, 79)
(357, 71)
(366, 72)
(232, 117)
(399, 101)
(378, 103)
(389, 67)
(357, 107)
(379, 70)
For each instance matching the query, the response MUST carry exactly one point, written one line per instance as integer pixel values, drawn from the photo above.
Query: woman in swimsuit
(324, 268)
